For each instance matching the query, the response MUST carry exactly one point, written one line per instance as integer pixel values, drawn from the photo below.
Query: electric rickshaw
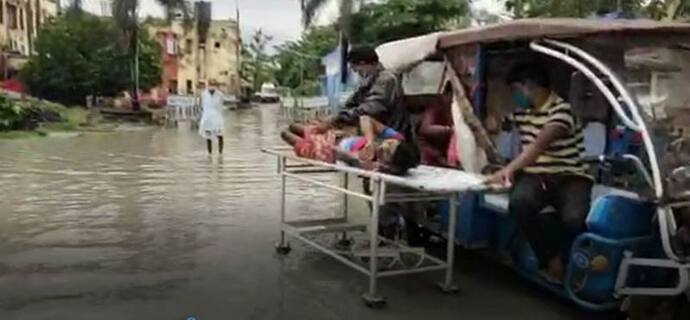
(629, 83)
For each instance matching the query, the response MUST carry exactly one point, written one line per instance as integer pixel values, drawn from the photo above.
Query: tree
(311, 8)
(668, 9)
(373, 23)
(76, 56)
(569, 8)
(300, 61)
(656, 9)
(257, 66)
(126, 17)
(380, 22)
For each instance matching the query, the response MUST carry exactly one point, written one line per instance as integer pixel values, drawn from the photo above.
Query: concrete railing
(300, 109)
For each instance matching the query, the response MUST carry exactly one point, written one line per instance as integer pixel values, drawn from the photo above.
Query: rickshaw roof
(402, 53)
(555, 28)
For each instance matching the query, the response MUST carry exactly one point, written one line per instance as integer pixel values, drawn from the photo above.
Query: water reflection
(134, 214)
(144, 225)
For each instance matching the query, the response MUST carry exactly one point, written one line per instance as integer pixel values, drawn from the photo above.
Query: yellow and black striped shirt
(563, 156)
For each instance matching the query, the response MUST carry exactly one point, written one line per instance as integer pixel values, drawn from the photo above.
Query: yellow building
(20, 21)
(191, 62)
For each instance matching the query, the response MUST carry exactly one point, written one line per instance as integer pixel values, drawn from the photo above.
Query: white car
(268, 93)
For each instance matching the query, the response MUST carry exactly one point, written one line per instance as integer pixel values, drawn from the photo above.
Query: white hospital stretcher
(426, 183)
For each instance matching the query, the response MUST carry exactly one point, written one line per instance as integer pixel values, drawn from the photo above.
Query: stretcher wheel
(448, 289)
(374, 302)
(283, 249)
(344, 243)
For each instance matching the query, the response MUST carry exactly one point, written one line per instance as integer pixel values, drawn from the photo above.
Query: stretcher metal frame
(302, 229)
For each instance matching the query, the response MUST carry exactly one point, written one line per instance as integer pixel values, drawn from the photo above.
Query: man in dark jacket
(379, 95)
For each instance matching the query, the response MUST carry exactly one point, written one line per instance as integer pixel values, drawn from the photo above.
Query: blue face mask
(520, 100)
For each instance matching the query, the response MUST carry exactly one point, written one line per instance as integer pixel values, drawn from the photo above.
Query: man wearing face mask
(549, 171)
(212, 124)
(378, 96)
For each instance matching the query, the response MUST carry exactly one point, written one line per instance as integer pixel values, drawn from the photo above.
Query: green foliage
(379, 22)
(298, 60)
(77, 55)
(10, 114)
(310, 8)
(668, 9)
(656, 9)
(375, 22)
(257, 66)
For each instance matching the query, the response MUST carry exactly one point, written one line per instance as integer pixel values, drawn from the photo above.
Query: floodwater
(143, 224)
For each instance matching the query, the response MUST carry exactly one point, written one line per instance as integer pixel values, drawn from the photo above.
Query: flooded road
(144, 225)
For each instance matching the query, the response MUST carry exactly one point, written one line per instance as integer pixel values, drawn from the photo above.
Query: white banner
(180, 101)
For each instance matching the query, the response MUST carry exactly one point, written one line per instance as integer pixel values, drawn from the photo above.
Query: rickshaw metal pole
(450, 250)
(592, 77)
(632, 106)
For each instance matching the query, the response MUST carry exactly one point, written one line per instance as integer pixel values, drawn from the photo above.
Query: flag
(344, 48)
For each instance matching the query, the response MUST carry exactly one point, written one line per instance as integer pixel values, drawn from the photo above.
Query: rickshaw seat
(499, 202)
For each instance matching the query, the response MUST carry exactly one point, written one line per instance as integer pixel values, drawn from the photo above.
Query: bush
(11, 114)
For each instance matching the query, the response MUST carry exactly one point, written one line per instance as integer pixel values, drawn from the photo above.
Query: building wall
(168, 41)
(186, 72)
(222, 56)
(195, 62)
(21, 20)
(217, 58)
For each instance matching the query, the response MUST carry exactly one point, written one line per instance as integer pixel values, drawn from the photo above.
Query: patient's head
(397, 157)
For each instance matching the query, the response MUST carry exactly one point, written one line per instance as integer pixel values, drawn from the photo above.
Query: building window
(217, 45)
(21, 19)
(170, 46)
(12, 17)
(233, 81)
(2, 13)
(172, 87)
(188, 46)
(189, 86)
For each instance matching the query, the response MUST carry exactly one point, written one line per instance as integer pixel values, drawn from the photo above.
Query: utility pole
(135, 43)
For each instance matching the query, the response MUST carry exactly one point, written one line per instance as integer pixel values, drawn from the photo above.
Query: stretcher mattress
(423, 178)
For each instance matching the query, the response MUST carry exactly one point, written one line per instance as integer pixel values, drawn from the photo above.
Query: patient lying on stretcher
(378, 148)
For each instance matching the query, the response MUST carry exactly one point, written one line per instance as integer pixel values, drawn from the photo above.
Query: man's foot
(554, 272)
(599, 264)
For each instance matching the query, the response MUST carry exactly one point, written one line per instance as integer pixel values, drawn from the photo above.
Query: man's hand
(368, 153)
(503, 177)
(322, 127)
(369, 165)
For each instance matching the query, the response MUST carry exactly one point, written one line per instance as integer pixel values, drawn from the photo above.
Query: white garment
(211, 124)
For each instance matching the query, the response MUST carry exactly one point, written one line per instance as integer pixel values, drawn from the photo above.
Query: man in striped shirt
(549, 171)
